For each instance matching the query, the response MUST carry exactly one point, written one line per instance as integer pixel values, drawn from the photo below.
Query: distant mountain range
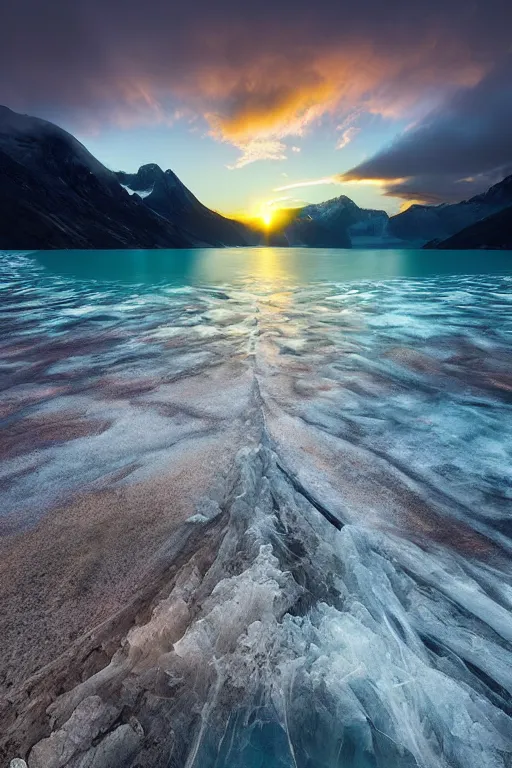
(482, 221)
(55, 194)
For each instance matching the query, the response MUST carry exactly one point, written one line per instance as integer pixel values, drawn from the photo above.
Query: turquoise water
(299, 265)
(379, 387)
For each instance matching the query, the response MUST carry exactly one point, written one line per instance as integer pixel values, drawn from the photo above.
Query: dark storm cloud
(257, 73)
(457, 150)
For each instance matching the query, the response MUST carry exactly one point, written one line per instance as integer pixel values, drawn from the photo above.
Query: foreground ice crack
(229, 669)
(314, 607)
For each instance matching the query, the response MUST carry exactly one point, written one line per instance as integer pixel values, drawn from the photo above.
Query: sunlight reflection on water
(294, 265)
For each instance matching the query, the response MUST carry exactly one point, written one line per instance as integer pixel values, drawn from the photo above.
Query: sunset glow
(256, 356)
(267, 217)
(308, 101)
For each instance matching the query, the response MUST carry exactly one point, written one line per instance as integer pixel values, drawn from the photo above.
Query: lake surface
(295, 266)
(337, 426)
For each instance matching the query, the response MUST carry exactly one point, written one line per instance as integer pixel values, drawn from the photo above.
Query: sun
(266, 217)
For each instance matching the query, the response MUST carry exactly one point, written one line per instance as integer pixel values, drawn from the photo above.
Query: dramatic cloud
(258, 74)
(456, 150)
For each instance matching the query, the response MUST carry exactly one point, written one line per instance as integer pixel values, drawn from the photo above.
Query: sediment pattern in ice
(341, 594)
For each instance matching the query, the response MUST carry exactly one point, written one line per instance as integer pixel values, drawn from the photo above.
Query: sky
(276, 102)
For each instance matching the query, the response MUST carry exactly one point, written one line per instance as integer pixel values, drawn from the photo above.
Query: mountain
(493, 232)
(333, 224)
(165, 194)
(340, 223)
(421, 223)
(55, 194)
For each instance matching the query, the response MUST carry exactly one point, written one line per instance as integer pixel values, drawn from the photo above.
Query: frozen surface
(339, 592)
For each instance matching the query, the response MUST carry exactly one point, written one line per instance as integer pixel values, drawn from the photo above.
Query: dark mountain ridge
(55, 194)
(164, 193)
(493, 233)
(427, 222)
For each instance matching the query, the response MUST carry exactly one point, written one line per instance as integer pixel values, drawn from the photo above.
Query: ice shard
(282, 513)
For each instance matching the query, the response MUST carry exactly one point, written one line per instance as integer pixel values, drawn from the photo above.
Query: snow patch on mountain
(140, 192)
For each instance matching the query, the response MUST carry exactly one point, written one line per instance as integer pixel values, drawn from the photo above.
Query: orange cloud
(259, 75)
(258, 108)
(263, 104)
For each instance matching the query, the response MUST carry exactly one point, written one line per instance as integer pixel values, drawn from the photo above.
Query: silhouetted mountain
(493, 232)
(55, 194)
(333, 223)
(165, 194)
(421, 223)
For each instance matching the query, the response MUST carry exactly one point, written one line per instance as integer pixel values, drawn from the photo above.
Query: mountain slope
(165, 194)
(55, 194)
(426, 222)
(333, 223)
(493, 232)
